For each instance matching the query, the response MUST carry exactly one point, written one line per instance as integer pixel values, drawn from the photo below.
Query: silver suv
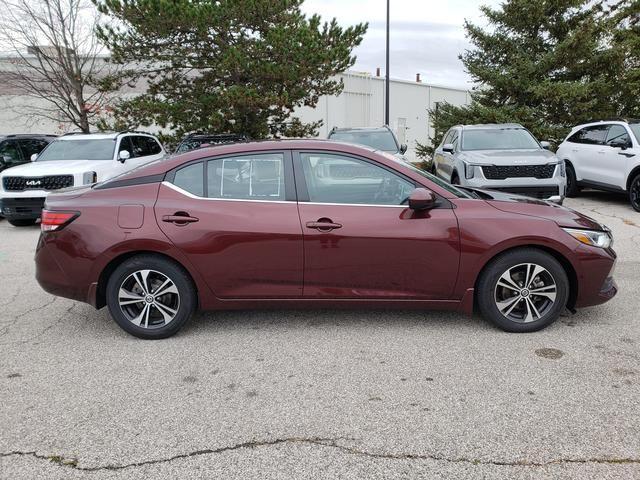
(381, 138)
(504, 157)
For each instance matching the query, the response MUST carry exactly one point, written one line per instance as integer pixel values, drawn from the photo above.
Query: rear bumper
(52, 277)
(18, 208)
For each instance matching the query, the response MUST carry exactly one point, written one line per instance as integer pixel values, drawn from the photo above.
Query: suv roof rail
(131, 131)
(615, 119)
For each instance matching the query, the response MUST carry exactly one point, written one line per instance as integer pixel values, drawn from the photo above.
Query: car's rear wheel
(22, 222)
(573, 190)
(523, 290)
(634, 193)
(150, 297)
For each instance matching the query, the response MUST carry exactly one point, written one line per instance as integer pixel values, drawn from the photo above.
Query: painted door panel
(379, 252)
(243, 249)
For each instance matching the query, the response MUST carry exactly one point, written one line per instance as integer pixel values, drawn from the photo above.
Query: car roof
(28, 135)
(490, 126)
(605, 122)
(99, 136)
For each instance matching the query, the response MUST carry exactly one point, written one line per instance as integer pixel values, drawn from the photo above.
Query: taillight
(55, 220)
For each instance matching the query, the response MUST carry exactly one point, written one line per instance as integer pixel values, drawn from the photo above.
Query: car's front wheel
(634, 193)
(523, 290)
(150, 297)
(573, 190)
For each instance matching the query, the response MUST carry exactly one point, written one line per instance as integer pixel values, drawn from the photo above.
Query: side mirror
(620, 143)
(33, 157)
(544, 144)
(124, 155)
(403, 148)
(447, 148)
(422, 199)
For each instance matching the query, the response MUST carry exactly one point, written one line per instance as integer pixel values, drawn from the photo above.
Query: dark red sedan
(313, 224)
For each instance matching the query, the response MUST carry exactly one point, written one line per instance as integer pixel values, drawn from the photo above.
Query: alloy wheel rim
(149, 299)
(525, 293)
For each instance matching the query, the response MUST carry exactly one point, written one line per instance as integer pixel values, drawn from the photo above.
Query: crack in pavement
(6, 327)
(626, 221)
(328, 443)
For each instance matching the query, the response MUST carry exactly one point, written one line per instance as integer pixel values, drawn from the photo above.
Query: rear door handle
(179, 219)
(324, 225)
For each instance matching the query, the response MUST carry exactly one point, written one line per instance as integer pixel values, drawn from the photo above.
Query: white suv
(604, 155)
(71, 160)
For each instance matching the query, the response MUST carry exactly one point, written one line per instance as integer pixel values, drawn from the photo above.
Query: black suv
(201, 140)
(17, 149)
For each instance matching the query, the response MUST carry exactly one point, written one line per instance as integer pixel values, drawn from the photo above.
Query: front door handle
(324, 225)
(180, 218)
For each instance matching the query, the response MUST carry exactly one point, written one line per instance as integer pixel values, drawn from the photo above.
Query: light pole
(386, 77)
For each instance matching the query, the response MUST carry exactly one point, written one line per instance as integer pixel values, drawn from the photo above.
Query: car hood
(62, 167)
(508, 157)
(563, 216)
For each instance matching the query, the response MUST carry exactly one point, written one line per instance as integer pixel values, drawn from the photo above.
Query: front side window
(9, 152)
(249, 177)
(144, 146)
(78, 149)
(498, 139)
(617, 134)
(339, 179)
(31, 146)
(447, 138)
(635, 128)
(590, 135)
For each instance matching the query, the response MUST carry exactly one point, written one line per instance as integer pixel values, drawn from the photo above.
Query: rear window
(378, 140)
(80, 149)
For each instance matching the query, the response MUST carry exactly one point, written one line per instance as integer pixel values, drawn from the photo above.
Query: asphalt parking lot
(320, 394)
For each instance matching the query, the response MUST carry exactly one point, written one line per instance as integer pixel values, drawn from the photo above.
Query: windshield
(80, 149)
(635, 128)
(498, 139)
(382, 140)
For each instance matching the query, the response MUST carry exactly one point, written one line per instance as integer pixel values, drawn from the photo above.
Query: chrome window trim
(196, 197)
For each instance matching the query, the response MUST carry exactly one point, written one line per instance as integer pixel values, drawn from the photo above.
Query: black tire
(455, 179)
(573, 190)
(22, 222)
(488, 291)
(160, 267)
(634, 193)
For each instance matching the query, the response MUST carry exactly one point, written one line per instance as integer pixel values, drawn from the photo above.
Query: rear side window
(594, 135)
(191, 179)
(31, 145)
(250, 177)
(144, 146)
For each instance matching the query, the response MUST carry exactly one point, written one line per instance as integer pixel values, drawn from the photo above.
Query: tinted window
(617, 134)
(31, 145)
(379, 140)
(590, 135)
(191, 179)
(125, 144)
(250, 177)
(144, 146)
(9, 152)
(79, 149)
(498, 139)
(337, 179)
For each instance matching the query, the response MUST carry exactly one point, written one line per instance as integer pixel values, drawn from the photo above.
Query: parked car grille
(534, 192)
(494, 172)
(50, 182)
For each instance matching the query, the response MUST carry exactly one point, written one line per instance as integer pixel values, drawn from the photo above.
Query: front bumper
(540, 188)
(22, 208)
(595, 276)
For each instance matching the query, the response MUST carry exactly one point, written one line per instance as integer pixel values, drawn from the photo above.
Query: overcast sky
(426, 35)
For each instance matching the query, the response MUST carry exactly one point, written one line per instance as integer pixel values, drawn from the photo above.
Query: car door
(590, 152)
(613, 169)
(361, 240)
(443, 161)
(237, 220)
(144, 149)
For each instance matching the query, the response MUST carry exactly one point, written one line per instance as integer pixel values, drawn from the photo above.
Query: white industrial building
(361, 104)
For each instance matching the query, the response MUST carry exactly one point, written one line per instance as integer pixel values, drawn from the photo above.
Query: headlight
(89, 178)
(593, 238)
(563, 169)
(469, 170)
